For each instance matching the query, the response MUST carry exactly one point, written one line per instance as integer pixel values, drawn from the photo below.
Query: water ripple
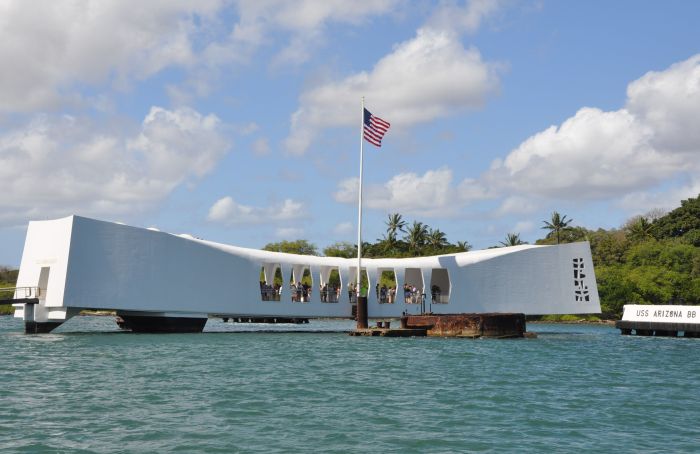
(91, 388)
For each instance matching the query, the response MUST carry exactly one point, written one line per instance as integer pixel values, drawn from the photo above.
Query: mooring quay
(667, 321)
(472, 326)
(162, 282)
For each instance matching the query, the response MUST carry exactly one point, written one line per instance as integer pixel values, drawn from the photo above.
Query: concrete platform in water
(661, 321)
(489, 325)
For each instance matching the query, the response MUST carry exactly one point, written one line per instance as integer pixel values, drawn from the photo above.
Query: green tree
(394, 224)
(436, 239)
(638, 229)
(570, 235)
(679, 222)
(614, 289)
(670, 255)
(513, 239)
(557, 225)
(341, 249)
(608, 247)
(300, 247)
(463, 246)
(416, 236)
(8, 279)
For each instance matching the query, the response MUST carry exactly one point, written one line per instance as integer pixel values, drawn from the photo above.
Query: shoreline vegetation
(8, 278)
(651, 259)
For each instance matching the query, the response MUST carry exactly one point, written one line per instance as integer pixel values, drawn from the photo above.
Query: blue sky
(238, 121)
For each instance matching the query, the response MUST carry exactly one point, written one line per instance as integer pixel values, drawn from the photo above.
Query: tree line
(651, 259)
(400, 240)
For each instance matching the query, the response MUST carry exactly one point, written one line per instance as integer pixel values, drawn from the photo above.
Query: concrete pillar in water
(31, 326)
(362, 312)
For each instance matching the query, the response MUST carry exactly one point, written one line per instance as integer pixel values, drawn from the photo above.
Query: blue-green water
(89, 388)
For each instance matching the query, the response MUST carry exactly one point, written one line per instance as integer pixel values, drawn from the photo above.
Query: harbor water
(240, 388)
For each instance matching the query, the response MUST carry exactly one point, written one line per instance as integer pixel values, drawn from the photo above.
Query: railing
(21, 293)
(269, 293)
(439, 298)
(29, 292)
(329, 295)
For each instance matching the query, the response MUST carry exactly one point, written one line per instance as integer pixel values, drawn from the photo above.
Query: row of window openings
(301, 290)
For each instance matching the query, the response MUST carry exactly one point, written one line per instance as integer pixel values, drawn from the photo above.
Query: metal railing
(269, 293)
(23, 292)
(8, 295)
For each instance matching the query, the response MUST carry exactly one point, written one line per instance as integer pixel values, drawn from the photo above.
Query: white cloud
(56, 166)
(347, 190)
(248, 128)
(427, 77)
(261, 147)
(45, 50)
(627, 154)
(516, 205)
(463, 17)
(669, 103)
(303, 20)
(344, 228)
(641, 156)
(643, 201)
(592, 155)
(523, 227)
(289, 232)
(431, 194)
(229, 212)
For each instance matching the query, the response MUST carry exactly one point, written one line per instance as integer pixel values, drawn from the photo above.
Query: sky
(239, 121)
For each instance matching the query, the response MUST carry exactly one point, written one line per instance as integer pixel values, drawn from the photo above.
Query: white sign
(663, 314)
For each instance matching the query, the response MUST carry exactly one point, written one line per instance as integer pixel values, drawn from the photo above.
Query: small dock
(660, 321)
(472, 326)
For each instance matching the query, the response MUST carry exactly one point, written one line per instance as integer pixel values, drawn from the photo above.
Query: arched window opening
(270, 282)
(307, 286)
(386, 287)
(352, 285)
(301, 284)
(413, 286)
(329, 285)
(440, 286)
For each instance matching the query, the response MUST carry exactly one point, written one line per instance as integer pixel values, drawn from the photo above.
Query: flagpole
(361, 306)
(359, 206)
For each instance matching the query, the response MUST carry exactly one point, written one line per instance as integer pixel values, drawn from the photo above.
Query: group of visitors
(301, 293)
(386, 295)
(330, 294)
(270, 292)
(411, 294)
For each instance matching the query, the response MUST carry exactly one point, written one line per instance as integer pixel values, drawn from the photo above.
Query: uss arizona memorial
(77, 263)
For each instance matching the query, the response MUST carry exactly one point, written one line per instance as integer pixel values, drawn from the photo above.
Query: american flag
(375, 128)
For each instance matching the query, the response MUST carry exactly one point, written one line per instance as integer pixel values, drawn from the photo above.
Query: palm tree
(513, 239)
(464, 246)
(394, 223)
(638, 229)
(416, 236)
(437, 238)
(557, 225)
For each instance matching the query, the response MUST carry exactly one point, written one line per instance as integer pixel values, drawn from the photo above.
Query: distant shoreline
(572, 322)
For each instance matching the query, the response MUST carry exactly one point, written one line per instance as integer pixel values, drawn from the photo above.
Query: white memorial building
(78, 263)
